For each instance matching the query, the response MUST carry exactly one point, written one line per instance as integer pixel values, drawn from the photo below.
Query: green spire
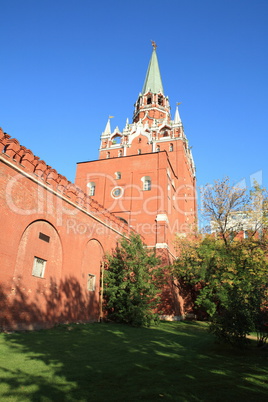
(153, 81)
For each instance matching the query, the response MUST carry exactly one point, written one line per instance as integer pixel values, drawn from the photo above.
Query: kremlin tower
(145, 174)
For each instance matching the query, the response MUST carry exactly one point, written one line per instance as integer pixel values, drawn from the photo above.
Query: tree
(229, 273)
(257, 210)
(231, 284)
(130, 290)
(222, 204)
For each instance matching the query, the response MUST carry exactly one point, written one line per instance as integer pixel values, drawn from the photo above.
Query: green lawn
(108, 362)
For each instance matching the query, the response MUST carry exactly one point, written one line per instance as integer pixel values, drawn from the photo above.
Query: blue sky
(66, 65)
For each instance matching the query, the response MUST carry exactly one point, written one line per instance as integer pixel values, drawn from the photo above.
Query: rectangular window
(91, 282)
(44, 237)
(39, 267)
(91, 188)
(92, 191)
(147, 185)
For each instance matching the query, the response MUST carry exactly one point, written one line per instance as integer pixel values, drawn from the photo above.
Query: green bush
(130, 290)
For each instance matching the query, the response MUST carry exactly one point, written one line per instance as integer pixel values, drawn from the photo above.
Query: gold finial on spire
(154, 44)
(178, 103)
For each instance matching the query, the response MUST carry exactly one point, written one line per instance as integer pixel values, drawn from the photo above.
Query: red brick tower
(145, 173)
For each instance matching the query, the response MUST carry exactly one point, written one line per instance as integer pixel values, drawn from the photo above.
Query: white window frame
(91, 282)
(147, 183)
(39, 266)
(91, 188)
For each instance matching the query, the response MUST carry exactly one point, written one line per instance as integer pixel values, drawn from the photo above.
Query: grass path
(108, 362)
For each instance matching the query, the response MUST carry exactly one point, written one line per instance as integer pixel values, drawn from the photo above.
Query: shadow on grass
(100, 362)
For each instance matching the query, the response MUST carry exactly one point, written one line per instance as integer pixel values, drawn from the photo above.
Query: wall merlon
(3, 137)
(71, 191)
(62, 183)
(19, 154)
(51, 178)
(40, 168)
(27, 160)
(12, 147)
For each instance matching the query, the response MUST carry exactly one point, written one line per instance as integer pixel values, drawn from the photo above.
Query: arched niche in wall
(39, 257)
(35, 295)
(91, 271)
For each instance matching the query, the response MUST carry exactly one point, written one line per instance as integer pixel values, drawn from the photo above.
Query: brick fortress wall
(49, 224)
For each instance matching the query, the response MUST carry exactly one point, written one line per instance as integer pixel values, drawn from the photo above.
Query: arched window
(120, 153)
(108, 155)
(147, 183)
(160, 100)
(91, 188)
(116, 140)
(171, 147)
(118, 175)
(158, 148)
(149, 100)
(139, 151)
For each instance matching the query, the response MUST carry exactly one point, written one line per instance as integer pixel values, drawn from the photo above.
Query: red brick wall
(36, 199)
(76, 230)
(172, 192)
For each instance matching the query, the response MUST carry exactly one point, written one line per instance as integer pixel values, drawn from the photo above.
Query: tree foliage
(257, 210)
(130, 287)
(230, 272)
(231, 284)
(220, 203)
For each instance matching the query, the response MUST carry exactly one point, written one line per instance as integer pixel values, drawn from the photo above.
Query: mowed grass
(175, 361)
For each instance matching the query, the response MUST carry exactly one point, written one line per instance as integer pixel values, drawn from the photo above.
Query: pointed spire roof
(107, 128)
(153, 81)
(177, 118)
